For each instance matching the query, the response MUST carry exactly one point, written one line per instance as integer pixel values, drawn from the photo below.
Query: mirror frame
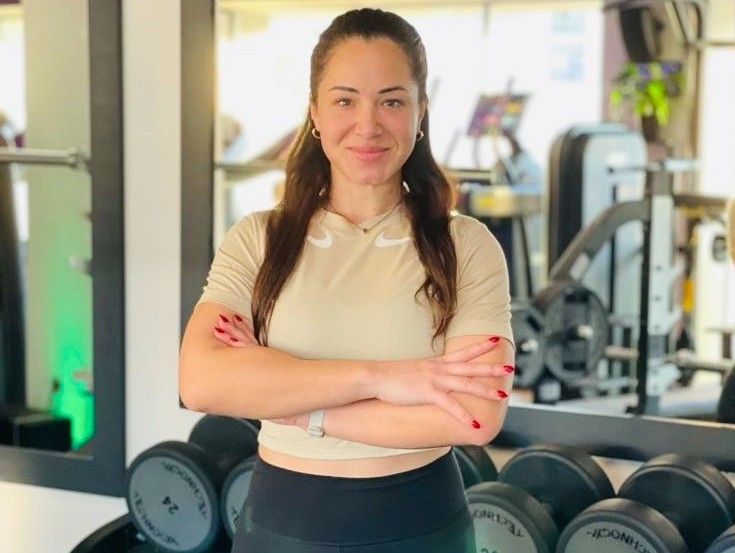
(103, 470)
(631, 437)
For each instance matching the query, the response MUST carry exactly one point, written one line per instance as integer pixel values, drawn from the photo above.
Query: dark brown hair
(308, 173)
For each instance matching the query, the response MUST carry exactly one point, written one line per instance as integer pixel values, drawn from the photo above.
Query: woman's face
(367, 111)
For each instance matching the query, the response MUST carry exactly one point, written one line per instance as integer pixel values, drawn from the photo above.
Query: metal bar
(578, 255)
(72, 157)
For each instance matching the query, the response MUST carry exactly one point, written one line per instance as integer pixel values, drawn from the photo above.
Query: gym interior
(596, 139)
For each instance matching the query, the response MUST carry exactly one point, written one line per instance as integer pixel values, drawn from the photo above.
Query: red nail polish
(509, 368)
(502, 394)
(233, 339)
(475, 424)
(238, 318)
(224, 319)
(218, 329)
(494, 339)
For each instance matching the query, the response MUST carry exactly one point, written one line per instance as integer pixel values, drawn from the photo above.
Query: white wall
(42, 520)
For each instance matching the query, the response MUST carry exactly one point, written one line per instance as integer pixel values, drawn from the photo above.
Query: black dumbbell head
(227, 440)
(690, 492)
(172, 498)
(671, 504)
(564, 478)
(475, 465)
(618, 525)
(725, 543)
(506, 518)
(234, 492)
(538, 490)
(173, 488)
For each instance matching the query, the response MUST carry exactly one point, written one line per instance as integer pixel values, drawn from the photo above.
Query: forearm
(382, 424)
(262, 383)
(224, 371)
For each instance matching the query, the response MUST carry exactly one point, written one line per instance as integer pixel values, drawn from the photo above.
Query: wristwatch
(316, 420)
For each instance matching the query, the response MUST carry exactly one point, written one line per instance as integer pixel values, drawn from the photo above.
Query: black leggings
(419, 511)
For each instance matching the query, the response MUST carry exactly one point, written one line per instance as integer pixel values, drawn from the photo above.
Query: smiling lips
(368, 153)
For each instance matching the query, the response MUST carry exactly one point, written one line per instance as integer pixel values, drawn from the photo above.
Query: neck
(360, 209)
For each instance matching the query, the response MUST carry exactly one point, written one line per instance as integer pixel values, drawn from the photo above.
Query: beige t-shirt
(353, 295)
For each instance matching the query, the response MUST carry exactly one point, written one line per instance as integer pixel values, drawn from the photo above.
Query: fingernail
(494, 339)
(224, 319)
(238, 318)
(233, 339)
(475, 424)
(502, 394)
(509, 368)
(218, 329)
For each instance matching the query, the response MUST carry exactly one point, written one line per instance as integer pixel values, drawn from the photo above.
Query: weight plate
(172, 498)
(620, 526)
(528, 334)
(690, 492)
(227, 439)
(475, 464)
(234, 492)
(142, 548)
(725, 543)
(576, 329)
(563, 478)
(508, 520)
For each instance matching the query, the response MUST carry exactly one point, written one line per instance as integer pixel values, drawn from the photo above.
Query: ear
(422, 113)
(313, 114)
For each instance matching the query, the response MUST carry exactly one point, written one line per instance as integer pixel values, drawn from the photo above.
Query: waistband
(330, 509)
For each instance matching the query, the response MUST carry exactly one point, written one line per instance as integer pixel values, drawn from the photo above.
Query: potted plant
(646, 89)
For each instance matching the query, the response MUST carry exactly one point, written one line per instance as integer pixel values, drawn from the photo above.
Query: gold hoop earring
(420, 136)
(316, 134)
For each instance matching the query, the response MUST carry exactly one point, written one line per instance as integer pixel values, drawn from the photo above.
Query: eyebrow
(382, 91)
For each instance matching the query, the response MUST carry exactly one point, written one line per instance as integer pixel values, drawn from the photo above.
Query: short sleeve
(483, 292)
(236, 264)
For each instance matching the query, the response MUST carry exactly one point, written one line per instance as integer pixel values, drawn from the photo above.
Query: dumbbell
(671, 504)
(475, 465)
(538, 491)
(725, 543)
(234, 492)
(173, 488)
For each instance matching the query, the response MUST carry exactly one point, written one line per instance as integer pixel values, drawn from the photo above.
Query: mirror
(493, 123)
(61, 289)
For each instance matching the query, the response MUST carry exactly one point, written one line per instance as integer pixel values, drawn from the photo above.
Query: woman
(367, 329)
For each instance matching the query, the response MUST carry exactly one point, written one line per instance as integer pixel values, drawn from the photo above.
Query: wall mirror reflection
(61, 245)
(541, 141)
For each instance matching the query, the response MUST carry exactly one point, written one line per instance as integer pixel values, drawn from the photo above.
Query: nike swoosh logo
(321, 242)
(382, 242)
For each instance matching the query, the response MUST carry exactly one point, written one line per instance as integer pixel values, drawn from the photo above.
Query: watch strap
(315, 426)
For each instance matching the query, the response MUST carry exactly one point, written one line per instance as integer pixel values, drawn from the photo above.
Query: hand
(430, 380)
(302, 421)
(234, 330)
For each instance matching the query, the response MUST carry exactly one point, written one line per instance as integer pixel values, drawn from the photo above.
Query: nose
(367, 123)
